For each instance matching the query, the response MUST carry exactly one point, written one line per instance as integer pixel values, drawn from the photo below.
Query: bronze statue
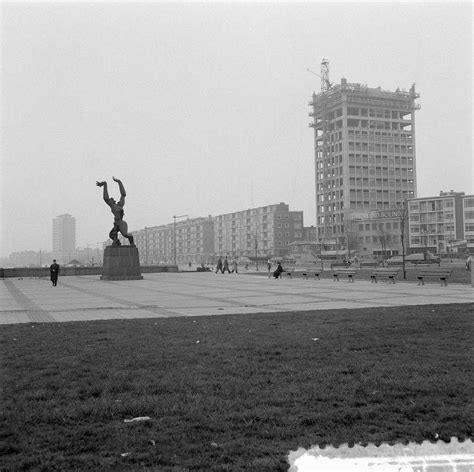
(120, 226)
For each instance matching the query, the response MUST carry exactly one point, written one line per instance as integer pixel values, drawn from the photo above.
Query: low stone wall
(37, 272)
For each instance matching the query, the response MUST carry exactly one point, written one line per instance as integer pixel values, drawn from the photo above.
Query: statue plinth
(121, 263)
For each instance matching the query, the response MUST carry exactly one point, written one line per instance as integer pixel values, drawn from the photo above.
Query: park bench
(388, 273)
(344, 271)
(336, 265)
(369, 264)
(427, 262)
(288, 272)
(395, 263)
(317, 273)
(442, 274)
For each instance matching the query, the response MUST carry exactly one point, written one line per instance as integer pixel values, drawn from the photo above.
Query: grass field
(231, 392)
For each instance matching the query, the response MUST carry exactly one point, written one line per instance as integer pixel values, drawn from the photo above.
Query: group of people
(223, 266)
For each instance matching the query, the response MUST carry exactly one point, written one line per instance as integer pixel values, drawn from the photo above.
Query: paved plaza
(87, 298)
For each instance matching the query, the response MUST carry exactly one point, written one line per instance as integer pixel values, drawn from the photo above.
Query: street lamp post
(174, 232)
(146, 245)
(256, 250)
(425, 235)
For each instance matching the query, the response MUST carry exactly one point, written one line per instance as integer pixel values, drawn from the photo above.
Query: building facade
(64, 237)
(376, 233)
(258, 233)
(438, 224)
(468, 220)
(190, 240)
(364, 141)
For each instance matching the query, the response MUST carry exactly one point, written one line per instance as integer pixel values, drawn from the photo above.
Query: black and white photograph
(236, 236)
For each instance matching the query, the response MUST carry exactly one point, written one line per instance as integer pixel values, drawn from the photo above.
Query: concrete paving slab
(196, 294)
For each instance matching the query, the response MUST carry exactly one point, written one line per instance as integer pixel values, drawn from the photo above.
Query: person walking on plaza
(54, 271)
(219, 265)
(234, 266)
(269, 267)
(226, 266)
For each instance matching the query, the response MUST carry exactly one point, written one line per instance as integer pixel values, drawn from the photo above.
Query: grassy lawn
(231, 392)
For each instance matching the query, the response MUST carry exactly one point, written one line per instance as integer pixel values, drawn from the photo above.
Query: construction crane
(325, 87)
(325, 83)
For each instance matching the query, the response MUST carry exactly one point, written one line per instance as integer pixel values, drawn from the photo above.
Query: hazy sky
(202, 108)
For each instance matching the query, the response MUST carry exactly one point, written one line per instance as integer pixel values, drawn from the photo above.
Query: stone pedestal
(121, 263)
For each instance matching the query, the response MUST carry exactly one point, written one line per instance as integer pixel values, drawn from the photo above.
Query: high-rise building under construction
(364, 140)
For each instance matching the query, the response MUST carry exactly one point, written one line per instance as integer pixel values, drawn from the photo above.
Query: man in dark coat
(278, 271)
(54, 271)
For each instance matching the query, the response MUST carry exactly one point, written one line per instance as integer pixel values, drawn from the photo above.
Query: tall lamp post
(256, 250)
(425, 237)
(146, 245)
(174, 232)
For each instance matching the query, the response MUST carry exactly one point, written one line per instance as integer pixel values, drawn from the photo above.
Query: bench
(443, 275)
(395, 263)
(340, 264)
(384, 272)
(344, 271)
(317, 273)
(369, 264)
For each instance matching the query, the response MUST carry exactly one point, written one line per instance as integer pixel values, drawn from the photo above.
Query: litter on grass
(138, 418)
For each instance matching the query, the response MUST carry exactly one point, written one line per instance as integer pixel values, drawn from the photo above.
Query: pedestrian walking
(219, 265)
(54, 272)
(269, 268)
(468, 263)
(226, 266)
(234, 266)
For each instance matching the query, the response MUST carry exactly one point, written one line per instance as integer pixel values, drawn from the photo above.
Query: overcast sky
(202, 108)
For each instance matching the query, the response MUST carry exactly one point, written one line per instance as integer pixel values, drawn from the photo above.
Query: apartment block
(365, 160)
(258, 233)
(438, 224)
(376, 233)
(190, 240)
(468, 220)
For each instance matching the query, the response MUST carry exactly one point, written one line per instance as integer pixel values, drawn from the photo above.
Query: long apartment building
(255, 233)
(365, 160)
(258, 232)
(190, 240)
(442, 224)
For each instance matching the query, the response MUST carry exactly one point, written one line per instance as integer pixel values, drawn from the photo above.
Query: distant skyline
(202, 108)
